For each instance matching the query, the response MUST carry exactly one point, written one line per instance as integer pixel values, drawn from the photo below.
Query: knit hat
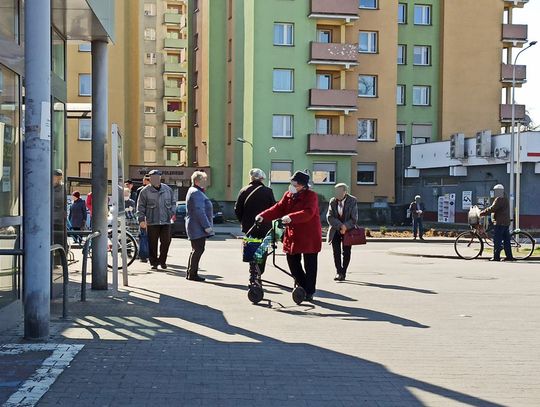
(76, 194)
(301, 177)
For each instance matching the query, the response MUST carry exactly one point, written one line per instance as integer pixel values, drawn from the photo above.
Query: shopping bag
(355, 236)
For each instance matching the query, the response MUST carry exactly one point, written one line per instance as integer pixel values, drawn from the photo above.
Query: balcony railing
(175, 43)
(334, 54)
(506, 113)
(506, 73)
(333, 99)
(175, 141)
(174, 116)
(332, 144)
(514, 33)
(172, 18)
(176, 67)
(346, 10)
(172, 92)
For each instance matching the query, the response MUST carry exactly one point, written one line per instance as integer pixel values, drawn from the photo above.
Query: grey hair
(257, 174)
(198, 176)
(342, 185)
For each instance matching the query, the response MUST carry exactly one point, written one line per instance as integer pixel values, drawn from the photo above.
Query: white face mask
(292, 189)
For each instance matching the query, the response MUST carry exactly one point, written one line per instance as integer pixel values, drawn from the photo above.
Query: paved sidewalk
(402, 331)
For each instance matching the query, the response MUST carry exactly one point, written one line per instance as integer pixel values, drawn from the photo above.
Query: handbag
(355, 236)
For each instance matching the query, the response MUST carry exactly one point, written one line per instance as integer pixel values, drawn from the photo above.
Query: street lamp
(515, 189)
(244, 141)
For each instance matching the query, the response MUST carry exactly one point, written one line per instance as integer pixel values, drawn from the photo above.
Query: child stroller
(256, 252)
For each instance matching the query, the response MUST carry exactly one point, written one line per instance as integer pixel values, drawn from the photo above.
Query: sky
(529, 94)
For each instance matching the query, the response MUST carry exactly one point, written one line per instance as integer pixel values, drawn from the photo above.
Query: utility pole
(37, 169)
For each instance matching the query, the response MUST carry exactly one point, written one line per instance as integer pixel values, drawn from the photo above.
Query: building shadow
(388, 287)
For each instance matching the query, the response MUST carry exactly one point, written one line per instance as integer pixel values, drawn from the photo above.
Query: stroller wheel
(298, 295)
(255, 294)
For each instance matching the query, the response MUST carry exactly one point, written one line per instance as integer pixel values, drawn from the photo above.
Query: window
(366, 173)
(9, 20)
(367, 129)
(85, 84)
(174, 131)
(421, 95)
(283, 34)
(149, 156)
(400, 95)
(173, 34)
(58, 55)
(173, 9)
(281, 172)
(367, 86)
(422, 55)
(85, 169)
(323, 125)
(282, 126)
(324, 81)
(324, 173)
(173, 82)
(149, 131)
(85, 129)
(367, 42)
(85, 47)
(149, 34)
(150, 58)
(149, 107)
(400, 134)
(149, 82)
(173, 155)
(420, 140)
(172, 58)
(422, 15)
(324, 36)
(149, 9)
(401, 54)
(421, 133)
(402, 13)
(369, 4)
(283, 80)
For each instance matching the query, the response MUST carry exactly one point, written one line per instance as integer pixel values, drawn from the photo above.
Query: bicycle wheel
(132, 249)
(522, 245)
(468, 245)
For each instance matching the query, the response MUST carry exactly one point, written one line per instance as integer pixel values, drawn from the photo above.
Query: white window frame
(425, 17)
(150, 83)
(277, 70)
(331, 170)
(400, 94)
(425, 95)
(372, 42)
(329, 32)
(402, 54)
(149, 131)
(285, 163)
(424, 53)
(364, 7)
(374, 170)
(150, 105)
(370, 129)
(170, 133)
(420, 140)
(286, 120)
(150, 34)
(287, 35)
(149, 156)
(85, 93)
(87, 122)
(403, 6)
(149, 9)
(318, 123)
(374, 95)
(150, 58)
(326, 76)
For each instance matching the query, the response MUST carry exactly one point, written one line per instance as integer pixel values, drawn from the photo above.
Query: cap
(417, 197)
(301, 177)
(76, 194)
(154, 172)
(498, 186)
(58, 172)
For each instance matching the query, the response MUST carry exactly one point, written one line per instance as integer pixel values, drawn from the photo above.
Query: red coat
(303, 234)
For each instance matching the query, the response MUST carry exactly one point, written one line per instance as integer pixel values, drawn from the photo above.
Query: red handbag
(354, 237)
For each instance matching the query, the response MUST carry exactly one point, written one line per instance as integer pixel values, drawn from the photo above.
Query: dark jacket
(417, 206)
(77, 213)
(59, 202)
(349, 218)
(252, 200)
(500, 208)
(303, 234)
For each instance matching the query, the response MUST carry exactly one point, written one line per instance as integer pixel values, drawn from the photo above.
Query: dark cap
(58, 172)
(301, 177)
(154, 172)
(76, 194)
(128, 181)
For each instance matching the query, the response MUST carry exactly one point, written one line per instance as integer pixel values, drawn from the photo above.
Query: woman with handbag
(342, 216)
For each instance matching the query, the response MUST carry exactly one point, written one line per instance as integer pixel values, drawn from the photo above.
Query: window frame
(375, 86)
(274, 71)
(152, 34)
(331, 181)
(84, 120)
(425, 7)
(291, 123)
(374, 182)
(403, 94)
(281, 162)
(85, 163)
(376, 7)
(405, 7)
(428, 89)
(370, 43)
(404, 55)
(371, 128)
(427, 48)
(285, 34)
(90, 77)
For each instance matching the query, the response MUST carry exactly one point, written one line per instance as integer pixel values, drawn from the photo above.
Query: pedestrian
(155, 209)
(59, 207)
(143, 235)
(132, 190)
(500, 208)
(416, 210)
(298, 209)
(145, 182)
(342, 216)
(77, 214)
(199, 222)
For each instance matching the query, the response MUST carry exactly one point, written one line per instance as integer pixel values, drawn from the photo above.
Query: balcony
(506, 113)
(171, 92)
(514, 34)
(333, 99)
(334, 54)
(344, 10)
(175, 141)
(172, 18)
(506, 73)
(174, 116)
(174, 43)
(331, 144)
(515, 3)
(176, 67)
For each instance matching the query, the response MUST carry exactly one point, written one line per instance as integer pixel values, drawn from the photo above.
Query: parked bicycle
(470, 245)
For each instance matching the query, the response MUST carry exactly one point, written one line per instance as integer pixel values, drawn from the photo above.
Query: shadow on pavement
(388, 286)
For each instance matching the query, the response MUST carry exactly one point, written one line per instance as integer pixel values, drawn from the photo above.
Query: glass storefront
(58, 55)
(9, 20)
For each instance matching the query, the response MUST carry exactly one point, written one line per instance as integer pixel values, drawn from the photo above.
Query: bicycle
(470, 245)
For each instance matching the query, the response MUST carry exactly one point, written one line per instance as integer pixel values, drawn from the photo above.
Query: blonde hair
(342, 185)
(198, 176)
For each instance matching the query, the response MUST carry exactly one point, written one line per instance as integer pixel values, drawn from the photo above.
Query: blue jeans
(501, 237)
(418, 227)
(143, 245)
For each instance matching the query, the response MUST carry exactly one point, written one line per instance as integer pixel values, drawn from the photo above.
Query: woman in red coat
(299, 211)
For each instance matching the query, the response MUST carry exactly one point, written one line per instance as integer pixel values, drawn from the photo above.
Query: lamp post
(270, 151)
(515, 186)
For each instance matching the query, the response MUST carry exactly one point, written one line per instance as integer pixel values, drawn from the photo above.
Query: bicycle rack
(85, 262)
(65, 276)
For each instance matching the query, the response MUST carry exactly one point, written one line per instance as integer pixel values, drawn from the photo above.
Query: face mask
(292, 189)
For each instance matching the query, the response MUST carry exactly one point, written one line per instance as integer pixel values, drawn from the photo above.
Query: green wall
(410, 75)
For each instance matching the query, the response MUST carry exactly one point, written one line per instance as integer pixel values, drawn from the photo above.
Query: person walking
(416, 209)
(500, 208)
(59, 208)
(298, 209)
(77, 214)
(143, 235)
(155, 208)
(199, 222)
(132, 190)
(342, 216)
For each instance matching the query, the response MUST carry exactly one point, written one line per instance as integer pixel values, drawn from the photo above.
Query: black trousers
(337, 245)
(306, 279)
(501, 238)
(197, 250)
(161, 233)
